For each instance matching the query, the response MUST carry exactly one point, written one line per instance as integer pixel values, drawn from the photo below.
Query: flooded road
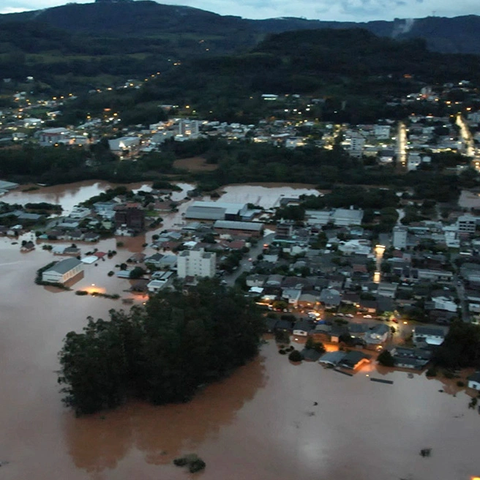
(260, 424)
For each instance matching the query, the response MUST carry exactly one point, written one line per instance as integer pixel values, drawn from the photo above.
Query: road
(245, 264)
(402, 144)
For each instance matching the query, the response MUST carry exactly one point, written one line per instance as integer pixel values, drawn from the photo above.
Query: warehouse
(216, 211)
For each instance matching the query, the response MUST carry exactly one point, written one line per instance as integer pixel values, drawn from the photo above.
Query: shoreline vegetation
(242, 162)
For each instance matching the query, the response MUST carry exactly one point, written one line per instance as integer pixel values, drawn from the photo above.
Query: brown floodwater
(262, 423)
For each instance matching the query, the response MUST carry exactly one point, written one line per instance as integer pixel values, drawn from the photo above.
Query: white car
(367, 316)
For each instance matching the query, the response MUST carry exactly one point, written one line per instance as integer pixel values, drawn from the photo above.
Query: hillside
(77, 47)
(147, 18)
(354, 74)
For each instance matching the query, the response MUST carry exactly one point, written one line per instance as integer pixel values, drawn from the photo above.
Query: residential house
(302, 328)
(474, 381)
(354, 360)
(415, 358)
(378, 334)
(330, 297)
(433, 336)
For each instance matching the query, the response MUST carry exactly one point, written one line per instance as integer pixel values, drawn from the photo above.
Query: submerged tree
(162, 352)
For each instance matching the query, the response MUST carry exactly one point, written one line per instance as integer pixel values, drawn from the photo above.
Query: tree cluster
(161, 353)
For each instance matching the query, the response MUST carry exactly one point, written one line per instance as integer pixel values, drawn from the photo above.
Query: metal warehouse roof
(231, 225)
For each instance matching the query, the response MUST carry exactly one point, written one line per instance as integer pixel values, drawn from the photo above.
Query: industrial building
(216, 211)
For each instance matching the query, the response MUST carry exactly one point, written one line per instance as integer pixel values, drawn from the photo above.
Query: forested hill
(359, 69)
(147, 18)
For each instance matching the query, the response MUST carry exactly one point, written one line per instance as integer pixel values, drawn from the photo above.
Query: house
(63, 271)
(137, 258)
(433, 336)
(291, 295)
(474, 381)
(27, 247)
(155, 286)
(332, 358)
(153, 260)
(353, 360)
(283, 326)
(256, 280)
(310, 354)
(330, 297)
(377, 334)
(91, 237)
(168, 262)
(415, 358)
(302, 328)
(387, 289)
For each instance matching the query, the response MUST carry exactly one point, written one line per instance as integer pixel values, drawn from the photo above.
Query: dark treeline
(161, 353)
(240, 162)
(63, 164)
(461, 348)
(250, 162)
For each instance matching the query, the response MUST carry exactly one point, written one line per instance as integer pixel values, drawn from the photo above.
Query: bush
(81, 292)
(194, 463)
(295, 356)
(432, 372)
(460, 384)
(111, 273)
(448, 374)
(282, 352)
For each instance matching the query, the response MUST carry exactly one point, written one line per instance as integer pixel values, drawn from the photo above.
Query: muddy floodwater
(271, 420)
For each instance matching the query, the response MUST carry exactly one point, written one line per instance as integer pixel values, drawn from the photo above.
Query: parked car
(349, 315)
(367, 316)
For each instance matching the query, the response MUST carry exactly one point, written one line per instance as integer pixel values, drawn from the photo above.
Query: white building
(124, 146)
(474, 381)
(63, 271)
(429, 335)
(51, 136)
(196, 263)
(466, 224)
(400, 234)
(444, 303)
(357, 142)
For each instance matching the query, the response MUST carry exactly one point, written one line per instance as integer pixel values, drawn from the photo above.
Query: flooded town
(233, 280)
(271, 419)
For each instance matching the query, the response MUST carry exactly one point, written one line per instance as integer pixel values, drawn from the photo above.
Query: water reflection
(99, 442)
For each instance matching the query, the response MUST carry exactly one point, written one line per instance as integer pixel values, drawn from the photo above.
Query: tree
(161, 352)
(385, 358)
(295, 356)
(136, 273)
(317, 346)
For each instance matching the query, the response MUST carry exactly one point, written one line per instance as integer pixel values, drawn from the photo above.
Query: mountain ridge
(442, 34)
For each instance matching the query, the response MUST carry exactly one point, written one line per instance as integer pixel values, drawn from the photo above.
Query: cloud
(341, 10)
